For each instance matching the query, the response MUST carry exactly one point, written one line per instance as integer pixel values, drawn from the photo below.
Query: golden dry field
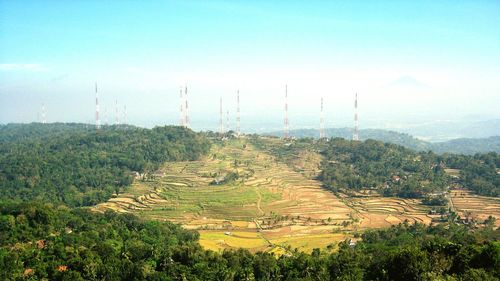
(374, 211)
(476, 207)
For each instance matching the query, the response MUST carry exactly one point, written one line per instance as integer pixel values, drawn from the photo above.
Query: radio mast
(97, 119)
(221, 121)
(44, 114)
(322, 122)
(186, 112)
(238, 131)
(183, 118)
(355, 135)
(286, 133)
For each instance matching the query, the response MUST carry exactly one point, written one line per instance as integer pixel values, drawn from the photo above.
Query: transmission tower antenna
(221, 121)
(117, 117)
(44, 114)
(186, 108)
(355, 135)
(97, 118)
(322, 122)
(238, 131)
(181, 119)
(286, 133)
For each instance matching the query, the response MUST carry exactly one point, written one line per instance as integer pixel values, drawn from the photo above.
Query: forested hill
(458, 146)
(395, 170)
(389, 168)
(468, 146)
(78, 166)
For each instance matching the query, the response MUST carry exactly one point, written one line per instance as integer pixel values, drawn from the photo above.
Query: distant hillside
(467, 146)
(459, 146)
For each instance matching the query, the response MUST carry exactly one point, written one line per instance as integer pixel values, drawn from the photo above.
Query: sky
(409, 61)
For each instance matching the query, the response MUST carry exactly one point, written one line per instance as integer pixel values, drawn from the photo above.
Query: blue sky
(140, 52)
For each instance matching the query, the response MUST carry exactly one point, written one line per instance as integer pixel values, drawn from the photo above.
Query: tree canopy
(44, 241)
(395, 170)
(81, 167)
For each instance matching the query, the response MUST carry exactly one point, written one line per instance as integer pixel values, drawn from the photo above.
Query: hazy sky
(408, 60)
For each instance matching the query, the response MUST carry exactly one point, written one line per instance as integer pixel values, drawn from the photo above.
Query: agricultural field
(474, 207)
(375, 211)
(241, 196)
(269, 206)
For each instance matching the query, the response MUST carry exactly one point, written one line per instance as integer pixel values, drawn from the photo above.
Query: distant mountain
(406, 83)
(467, 146)
(481, 129)
(459, 146)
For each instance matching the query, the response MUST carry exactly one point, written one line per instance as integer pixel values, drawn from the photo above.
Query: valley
(260, 202)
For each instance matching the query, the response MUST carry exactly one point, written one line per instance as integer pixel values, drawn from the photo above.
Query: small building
(352, 243)
(62, 268)
(219, 180)
(396, 178)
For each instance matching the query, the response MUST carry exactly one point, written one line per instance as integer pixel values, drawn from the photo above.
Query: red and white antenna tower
(221, 121)
(286, 135)
(117, 117)
(186, 112)
(322, 122)
(238, 131)
(97, 119)
(227, 121)
(355, 135)
(183, 118)
(44, 114)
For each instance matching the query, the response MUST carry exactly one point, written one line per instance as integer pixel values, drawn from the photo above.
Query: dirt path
(259, 200)
(450, 200)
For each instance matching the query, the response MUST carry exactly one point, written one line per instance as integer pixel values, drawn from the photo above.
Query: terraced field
(239, 196)
(478, 208)
(374, 211)
(268, 207)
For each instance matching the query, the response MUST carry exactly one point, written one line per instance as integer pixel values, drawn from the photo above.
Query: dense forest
(397, 171)
(480, 173)
(392, 169)
(78, 166)
(43, 241)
